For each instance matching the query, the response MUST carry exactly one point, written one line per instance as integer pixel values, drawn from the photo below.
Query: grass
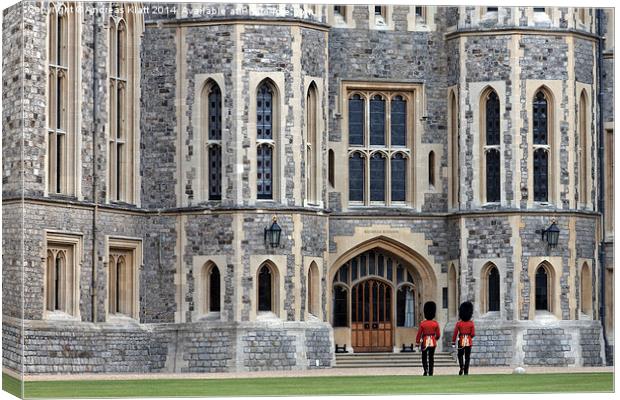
(332, 385)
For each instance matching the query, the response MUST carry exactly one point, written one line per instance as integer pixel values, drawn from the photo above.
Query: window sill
(211, 316)
(543, 315)
(59, 316)
(121, 319)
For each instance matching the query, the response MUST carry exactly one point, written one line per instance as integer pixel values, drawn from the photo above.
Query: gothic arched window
(214, 289)
(266, 140)
(542, 289)
(356, 120)
(541, 146)
(356, 177)
(399, 177)
(398, 121)
(492, 147)
(493, 289)
(265, 289)
(214, 121)
(377, 177)
(377, 121)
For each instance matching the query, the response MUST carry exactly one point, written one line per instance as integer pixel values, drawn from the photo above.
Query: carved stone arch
(426, 274)
(490, 288)
(267, 288)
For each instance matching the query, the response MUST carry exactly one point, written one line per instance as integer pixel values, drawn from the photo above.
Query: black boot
(461, 371)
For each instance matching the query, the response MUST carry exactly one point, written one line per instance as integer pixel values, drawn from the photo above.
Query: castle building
(237, 187)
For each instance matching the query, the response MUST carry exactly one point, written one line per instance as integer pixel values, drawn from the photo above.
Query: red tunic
(463, 328)
(428, 328)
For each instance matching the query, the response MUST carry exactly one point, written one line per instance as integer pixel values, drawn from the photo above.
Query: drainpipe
(601, 171)
(93, 291)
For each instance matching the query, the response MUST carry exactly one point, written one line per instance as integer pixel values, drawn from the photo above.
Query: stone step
(386, 360)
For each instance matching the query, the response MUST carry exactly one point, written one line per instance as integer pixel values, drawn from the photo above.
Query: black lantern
(272, 234)
(551, 235)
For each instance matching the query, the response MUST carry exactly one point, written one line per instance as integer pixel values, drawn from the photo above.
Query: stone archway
(384, 285)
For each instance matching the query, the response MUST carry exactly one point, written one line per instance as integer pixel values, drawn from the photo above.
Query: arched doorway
(382, 292)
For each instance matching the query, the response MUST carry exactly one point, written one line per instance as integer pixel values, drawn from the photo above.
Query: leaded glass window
(377, 121)
(264, 173)
(356, 120)
(493, 175)
(264, 112)
(377, 177)
(399, 121)
(341, 315)
(540, 118)
(356, 177)
(266, 141)
(215, 113)
(378, 156)
(215, 172)
(492, 119)
(541, 175)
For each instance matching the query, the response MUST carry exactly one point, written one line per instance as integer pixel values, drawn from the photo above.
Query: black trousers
(464, 351)
(428, 360)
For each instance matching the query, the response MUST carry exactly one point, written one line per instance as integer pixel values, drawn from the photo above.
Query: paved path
(316, 372)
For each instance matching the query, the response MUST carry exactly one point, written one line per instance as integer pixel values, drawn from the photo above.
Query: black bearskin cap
(466, 310)
(430, 308)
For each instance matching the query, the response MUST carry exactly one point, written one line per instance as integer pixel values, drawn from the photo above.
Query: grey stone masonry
(492, 347)
(547, 347)
(590, 342)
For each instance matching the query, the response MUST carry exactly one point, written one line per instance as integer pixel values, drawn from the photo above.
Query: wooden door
(371, 317)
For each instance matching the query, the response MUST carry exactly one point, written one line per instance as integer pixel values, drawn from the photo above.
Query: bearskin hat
(466, 310)
(430, 308)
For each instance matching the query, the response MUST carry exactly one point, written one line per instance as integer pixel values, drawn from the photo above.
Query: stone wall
(129, 347)
(547, 347)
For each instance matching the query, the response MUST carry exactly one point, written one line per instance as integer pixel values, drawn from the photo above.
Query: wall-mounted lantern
(551, 234)
(272, 234)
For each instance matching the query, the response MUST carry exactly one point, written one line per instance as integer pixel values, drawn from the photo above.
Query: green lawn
(343, 385)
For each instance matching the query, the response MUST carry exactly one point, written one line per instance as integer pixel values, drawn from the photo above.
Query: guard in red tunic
(464, 331)
(428, 334)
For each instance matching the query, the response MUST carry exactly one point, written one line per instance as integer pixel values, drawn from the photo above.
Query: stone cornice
(520, 31)
(243, 20)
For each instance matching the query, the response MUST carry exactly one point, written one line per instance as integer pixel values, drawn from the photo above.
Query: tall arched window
(265, 288)
(213, 291)
(398, 121)
(313, 290)
(541, 146)
(431, 169)
(583, 148)
(356, 177)
(266, 135)
(56, 266)
(492, 146)
(542, 289)
(380, 135)
(399, 177)
(586, 290)
(311, 143)
(212, 98)
(377, 177)
(356, 120)
(63, 82)
(493, 289)
(118, 140)
(377, 121)
(454, 150)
